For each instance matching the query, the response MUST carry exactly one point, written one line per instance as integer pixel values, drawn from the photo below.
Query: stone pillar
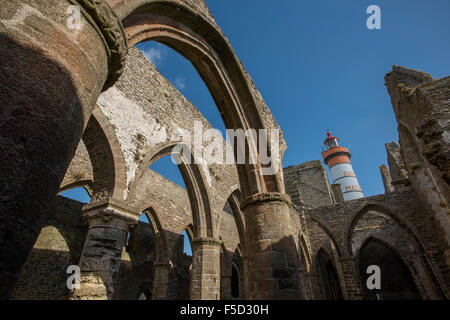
(316, 285)
(109, 222)
(244, 294)
(205, 280)
(160, 281)
(225, 287)
(271, 251)
(306, 287)
(352, 290)
(50, 78)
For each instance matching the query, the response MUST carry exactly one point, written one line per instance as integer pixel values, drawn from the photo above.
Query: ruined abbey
(84, 108)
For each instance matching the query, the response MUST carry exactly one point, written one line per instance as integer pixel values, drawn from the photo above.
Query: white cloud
(180, 83)
(155, 54)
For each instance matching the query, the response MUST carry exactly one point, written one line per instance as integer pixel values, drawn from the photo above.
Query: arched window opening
(137, 266)
(78, 194)
(330, 280)
(396, 280)
(187, 249)
(228, 208)
(169, 170)
(179, 285)
(235, 283)
(184, 77)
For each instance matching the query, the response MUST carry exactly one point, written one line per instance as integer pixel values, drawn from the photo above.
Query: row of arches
(396, 281)
(96, 63)
(343, 247)
(60, 110)
(374, 235)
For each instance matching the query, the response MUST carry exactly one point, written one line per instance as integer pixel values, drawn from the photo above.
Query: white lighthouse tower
(338, 160)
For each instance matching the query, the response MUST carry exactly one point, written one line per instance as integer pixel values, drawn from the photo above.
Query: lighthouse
(338, 160)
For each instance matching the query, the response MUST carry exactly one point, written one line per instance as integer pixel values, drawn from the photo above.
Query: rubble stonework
(287, 235)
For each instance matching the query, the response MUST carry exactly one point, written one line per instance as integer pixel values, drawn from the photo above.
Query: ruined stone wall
(229, 233)
(342, 224)
(308, 185)
(319, 240)
(380, 227)
(58, 246)
(136, 273)
(147, 111)
(124, 8)
(421, 106)
(171, 203)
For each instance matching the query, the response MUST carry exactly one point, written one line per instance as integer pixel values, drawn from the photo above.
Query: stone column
(225, 287)
(271, 251)
(352, 290)
(160, 281)
(316, 285)
(51, 74)
(306, 285)
(244, 294)
(205, 280)
(109, 222)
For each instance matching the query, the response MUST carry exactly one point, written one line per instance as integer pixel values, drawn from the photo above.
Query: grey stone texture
(287, 235)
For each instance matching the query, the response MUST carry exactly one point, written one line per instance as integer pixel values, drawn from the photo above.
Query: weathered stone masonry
(100, 115)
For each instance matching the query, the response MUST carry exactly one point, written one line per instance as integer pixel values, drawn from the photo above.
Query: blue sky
(319, 68)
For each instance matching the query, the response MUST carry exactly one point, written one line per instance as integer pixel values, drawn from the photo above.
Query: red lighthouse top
(331, 142)
(329, 138)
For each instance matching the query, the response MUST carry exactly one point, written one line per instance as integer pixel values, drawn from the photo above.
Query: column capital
(110, 28)
(347, 259)
(265, 197)
(210, 241)
(110, 213)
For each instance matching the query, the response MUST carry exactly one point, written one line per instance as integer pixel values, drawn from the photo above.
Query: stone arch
(173, 24)
(239, 263)
(234, 200)
(375, 206)
(330, 234)
(189, 231)
(225, 273)
(417, 273)
(88, 185)
(162, 251)
(304, 263)
(304, 253)
(235, 281)
(402, 222)
(410, 272)
(327, 268)
(204, 224)
(106, 157)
